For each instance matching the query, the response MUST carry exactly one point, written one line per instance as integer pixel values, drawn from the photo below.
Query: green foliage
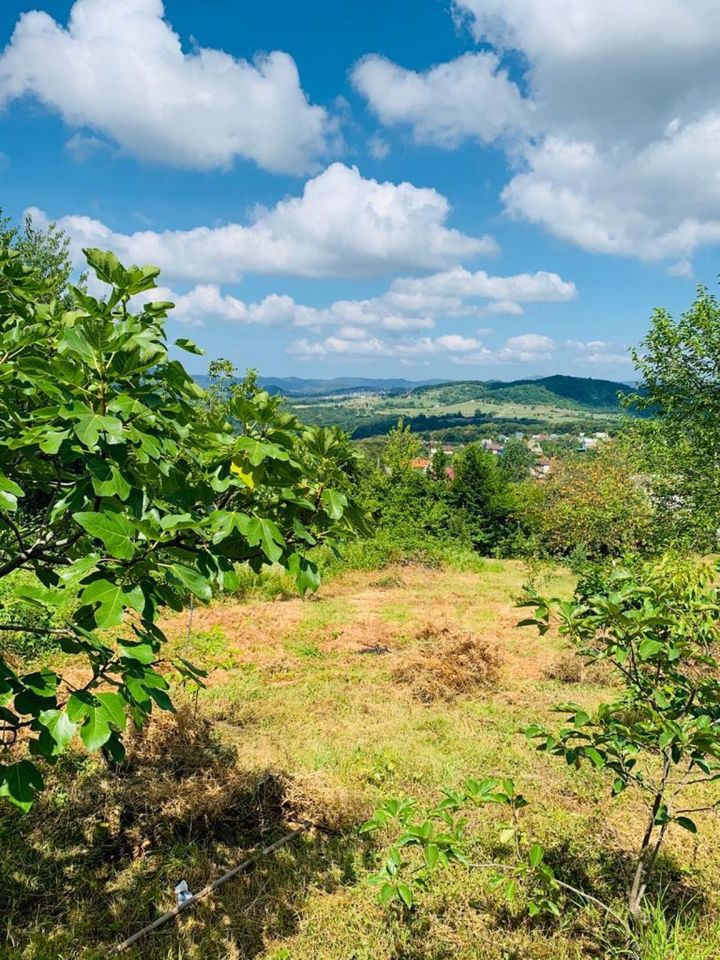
(558, 391)
(658, 625)
(121, 501)
(413, 518)
(425, 843)
(482, 495)
(401, 447)
(516, 460)
(46, 251)
(680, 365)
(594, 502)
(439, 464)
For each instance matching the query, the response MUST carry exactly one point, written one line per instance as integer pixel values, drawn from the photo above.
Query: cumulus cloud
(611, 71)
(339, 347)
(657, 202)
(206, 303)
(614, 130)
(354, 343)
(527, 347)
(120, 69)
(451, 287)
(341, 225)
(448, 343)
(410, 304)
(600, 353)
(454, 347)
(468, 97)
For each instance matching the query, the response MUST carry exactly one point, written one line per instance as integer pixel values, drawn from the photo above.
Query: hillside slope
(581, 393)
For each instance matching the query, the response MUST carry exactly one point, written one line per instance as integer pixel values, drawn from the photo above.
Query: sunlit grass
(303, 692)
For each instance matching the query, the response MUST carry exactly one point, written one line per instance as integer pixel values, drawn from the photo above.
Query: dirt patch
(359, 636)
(448, 664)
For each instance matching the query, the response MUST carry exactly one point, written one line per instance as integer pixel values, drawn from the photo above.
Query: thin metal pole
(258, 855)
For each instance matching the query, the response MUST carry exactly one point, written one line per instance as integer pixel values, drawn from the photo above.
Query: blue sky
(484, 188)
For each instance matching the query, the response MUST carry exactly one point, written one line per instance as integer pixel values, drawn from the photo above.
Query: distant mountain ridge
(559, 390)
(301, 387)
(585, 393)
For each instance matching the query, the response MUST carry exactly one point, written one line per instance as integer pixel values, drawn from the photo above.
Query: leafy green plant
(658, 626)
(437, 838)
(121, 501)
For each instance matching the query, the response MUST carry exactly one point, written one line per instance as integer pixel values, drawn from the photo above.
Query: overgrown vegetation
(121, 501)
(127, 493)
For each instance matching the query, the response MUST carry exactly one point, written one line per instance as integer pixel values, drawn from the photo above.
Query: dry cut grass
(386, 684)
(447, 663)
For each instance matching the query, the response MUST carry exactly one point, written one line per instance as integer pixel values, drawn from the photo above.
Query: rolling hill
(571, 393)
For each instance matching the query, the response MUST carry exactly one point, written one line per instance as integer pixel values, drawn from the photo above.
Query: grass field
(313, 712)
(375, 406)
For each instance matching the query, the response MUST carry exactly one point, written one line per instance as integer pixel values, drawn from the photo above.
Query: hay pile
(570, 667)
(448, 664)
(179, 780)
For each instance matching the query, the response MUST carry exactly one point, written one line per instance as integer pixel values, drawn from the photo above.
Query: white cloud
(410, 304)
(448, 343)
(657, 202)
(205, 303)
(468, 97)
(600, 353)
(378, 148)
(682, 269)
(354, 342)
(606, 359)
(508, 307)
(612, 70)
(614, 130)
(448, 290)
(456, 348)
(120, 69)
(342, 225)
(339, 347)
(526, 348)
(82, 147)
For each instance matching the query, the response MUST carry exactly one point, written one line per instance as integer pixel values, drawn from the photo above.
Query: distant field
(427, 404)
(351, 412)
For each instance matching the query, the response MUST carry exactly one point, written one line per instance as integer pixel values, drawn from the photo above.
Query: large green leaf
(19, 782)
(88, 427)
(192, 580)
(189, 345)
(306, 573)
(115, 531)
(60, 727)
(106, 265)
(9, 493)
(264, 532)
(334, 503)
(96, 729)
(111, 599)
(107, 480)
(114, 706)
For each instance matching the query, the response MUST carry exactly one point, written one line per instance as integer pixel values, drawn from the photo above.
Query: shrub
(658, 626)
(594, 504)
